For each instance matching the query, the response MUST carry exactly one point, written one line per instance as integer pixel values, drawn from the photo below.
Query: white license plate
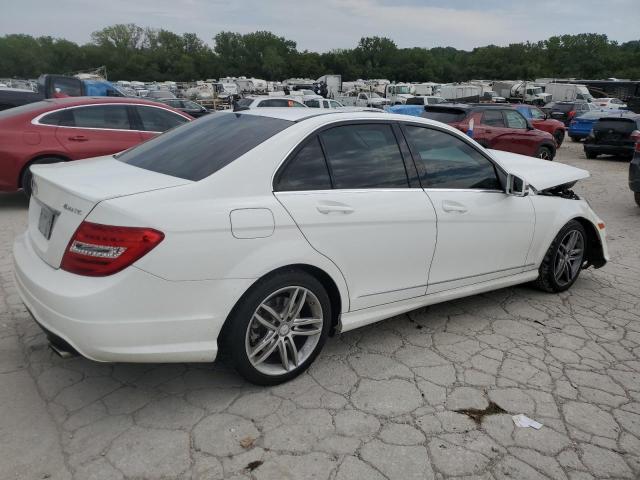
(46, 220)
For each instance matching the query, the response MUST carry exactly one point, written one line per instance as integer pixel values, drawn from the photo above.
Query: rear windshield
(444, 115)
(27, 108)
(197, 149)
(416, 101)
(562, 107)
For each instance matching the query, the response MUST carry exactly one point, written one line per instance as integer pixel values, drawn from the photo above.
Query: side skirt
(366, 316)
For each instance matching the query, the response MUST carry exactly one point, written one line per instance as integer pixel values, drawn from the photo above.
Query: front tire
(575, 139)
(279, 327)
(563, 261)
(636, 196)
(590, 155)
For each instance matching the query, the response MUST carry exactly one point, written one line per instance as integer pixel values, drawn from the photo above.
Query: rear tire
(563, 261)
(262, 323)
(545, 153)
(559, 136)
(575, 139)
(590, 155)
(636, 196)
(26, 176)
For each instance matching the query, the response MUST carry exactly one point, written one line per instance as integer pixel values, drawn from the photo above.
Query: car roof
(328, 115)
(73, 101)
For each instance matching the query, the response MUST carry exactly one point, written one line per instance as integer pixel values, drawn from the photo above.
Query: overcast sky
(322, 25)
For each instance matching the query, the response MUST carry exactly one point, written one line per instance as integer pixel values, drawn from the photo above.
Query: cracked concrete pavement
(380, 402)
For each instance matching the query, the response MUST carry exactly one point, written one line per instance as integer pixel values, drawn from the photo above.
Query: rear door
(483, 233)
(95, 130)
(357, 207)
(520, 139)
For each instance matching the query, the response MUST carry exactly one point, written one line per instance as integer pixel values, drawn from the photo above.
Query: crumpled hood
(540, 174)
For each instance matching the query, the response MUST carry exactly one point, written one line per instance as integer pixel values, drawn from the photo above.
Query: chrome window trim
(36, 120)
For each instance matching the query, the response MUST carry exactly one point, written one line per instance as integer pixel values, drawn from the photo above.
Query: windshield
(195, 150)
(402, 89)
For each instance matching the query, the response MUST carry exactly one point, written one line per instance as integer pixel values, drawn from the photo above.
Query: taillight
(571, 114)
(635, 136)
(97, 250)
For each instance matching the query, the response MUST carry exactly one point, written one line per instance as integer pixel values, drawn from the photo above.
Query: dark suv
(565, 111)
(614, 136)
(500, 127)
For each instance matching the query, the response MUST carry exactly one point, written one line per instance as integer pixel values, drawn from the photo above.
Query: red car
(542, 121)
(500, 127)
(63, 129)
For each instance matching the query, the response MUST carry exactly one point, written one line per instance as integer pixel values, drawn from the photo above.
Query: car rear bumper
(131, 316)
(621, 150)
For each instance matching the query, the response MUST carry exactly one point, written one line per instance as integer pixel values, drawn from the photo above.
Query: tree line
(131, 52)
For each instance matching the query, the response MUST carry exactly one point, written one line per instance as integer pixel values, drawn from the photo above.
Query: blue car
(580, 127)
(415, 110)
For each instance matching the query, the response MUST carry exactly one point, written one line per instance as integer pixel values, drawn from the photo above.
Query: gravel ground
(381, 402)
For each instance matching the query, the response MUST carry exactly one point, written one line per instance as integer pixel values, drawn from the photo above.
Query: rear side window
(62, 118)
(102, 116)
(364, 156)
(416, 101)
(449, 162)
(312, 103)
(562, 107)
(158, 119)
(493, 118)
(306, 171)
(197, 149)
(444, 115)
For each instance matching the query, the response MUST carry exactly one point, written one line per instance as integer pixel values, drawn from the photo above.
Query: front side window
(449, 162)
(335, 104)
(325, 104)
(102, 116)
(158, 119)
(493, 118)
(515, 120)
(364, 156)
(306, 171)
(362, 96)
(196, 150)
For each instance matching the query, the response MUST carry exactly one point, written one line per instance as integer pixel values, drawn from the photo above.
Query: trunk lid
(540, 174)
(65, 193)
(614, 130)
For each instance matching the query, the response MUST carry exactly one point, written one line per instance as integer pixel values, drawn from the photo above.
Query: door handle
(449, 206)
(78, 138)
(326, 208)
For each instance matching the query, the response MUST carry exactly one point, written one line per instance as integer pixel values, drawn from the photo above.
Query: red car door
(523, 139)
(493, 132)
(96, 130)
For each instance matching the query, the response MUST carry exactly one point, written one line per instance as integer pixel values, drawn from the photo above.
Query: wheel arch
(35, 159)
(319, 274)
(595, 252)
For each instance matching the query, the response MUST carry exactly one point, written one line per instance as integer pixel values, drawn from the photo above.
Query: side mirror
(516, 186)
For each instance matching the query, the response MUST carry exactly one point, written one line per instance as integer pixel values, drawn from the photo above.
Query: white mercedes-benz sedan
(265, 231)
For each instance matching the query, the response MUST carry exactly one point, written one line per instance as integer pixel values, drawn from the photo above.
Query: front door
(355, 206)
(482, 232)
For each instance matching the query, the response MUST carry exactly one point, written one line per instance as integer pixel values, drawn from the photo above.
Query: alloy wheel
(544, 154)
(568, 259)
(284, 330)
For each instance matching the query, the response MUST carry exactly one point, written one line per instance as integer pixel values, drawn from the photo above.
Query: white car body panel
(388, 252)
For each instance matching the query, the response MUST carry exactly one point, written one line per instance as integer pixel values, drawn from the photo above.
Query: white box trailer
(333, 83)
(567, 91)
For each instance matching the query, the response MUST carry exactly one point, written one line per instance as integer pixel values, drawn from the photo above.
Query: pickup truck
(58, 86)
(363, 99)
